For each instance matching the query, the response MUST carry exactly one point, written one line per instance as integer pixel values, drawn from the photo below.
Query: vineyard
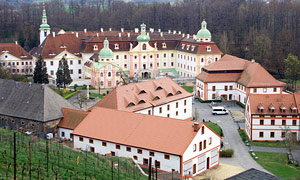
(41, 159)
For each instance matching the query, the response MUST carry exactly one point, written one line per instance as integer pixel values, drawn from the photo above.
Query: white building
(160, 97)
(187, 147)
(71, 119)
(14, 58)
(233, 79)
(270, 117)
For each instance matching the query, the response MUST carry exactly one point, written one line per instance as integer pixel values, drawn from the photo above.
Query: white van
(217, 110)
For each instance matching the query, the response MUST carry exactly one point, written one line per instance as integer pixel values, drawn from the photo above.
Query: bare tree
(289, 139)
(80, 99)
(196, 114)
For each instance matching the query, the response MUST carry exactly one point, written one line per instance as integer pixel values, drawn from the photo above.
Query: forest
(266, 31)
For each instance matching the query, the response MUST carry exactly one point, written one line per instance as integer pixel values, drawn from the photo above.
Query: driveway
(231, 139)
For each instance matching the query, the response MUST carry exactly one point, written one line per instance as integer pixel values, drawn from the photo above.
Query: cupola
(203, 35)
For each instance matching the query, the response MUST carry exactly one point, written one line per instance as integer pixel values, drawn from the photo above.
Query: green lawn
(189, 89)
(96, 95)
(64, 162)
(277, 164)
(216, 128)
(244, 137)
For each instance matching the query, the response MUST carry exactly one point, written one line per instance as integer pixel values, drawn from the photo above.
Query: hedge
(226, 153)
(240, 104)
(209, 101)
(71, 94)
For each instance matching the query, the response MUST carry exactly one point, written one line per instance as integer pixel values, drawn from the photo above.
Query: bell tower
(44, 27)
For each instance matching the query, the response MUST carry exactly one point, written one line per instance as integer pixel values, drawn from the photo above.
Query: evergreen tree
(292, 66)
(40, 72)
(63, 76)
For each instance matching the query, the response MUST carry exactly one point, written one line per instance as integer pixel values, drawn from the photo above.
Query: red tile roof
(72, 117)
(122, 96)
(233, 69)
(139, 130)
(15, 50)
(273, 100)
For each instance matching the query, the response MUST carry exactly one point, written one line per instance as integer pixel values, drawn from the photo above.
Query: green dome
(203, 22)
(106, 52)
(143, 38)
(44, 26)
(203, 33)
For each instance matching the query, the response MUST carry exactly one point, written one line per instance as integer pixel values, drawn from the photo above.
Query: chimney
(151, 30)
(147, 34)
(194, 37)
(179, 32)
(85, 30)
(109, 29)
(169, 31)
(101, 29)
(77, 34)
(16, 42)
(159, 30)
(196, 126)
(128, 34)
(188, 36)
(174, 32)
(122, 29)
(53, 34)
(136, 30)
(183, 35)
(97, 34)
(161, 34)
(120, 34)
(253, 60)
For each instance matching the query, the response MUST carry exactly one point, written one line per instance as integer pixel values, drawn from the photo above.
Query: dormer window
(182, 46)
(188, 47)
(272, 108)
(164, 45)
(282, 108)
(159, 88)
(178, 92)
(170, 94)
(260, 108)
(142, 92)
(63, 46)
(130, 104)
(193, 48)
(116, 46)
(156, 98)
(141, 102)
(208, 49)
(95, 47)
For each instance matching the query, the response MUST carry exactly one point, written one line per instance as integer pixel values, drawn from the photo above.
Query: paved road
(231, 139)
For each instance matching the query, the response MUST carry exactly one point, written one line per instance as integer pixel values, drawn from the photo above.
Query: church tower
(44, 27)
(203, 34)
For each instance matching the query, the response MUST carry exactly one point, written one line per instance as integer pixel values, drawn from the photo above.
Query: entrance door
(207, 163)
(144, 66)
(224, 97)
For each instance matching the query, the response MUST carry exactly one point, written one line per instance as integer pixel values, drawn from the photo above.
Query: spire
(44, 27)
(203, 24)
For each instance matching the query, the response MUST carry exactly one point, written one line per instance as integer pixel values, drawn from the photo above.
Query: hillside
(63, 162)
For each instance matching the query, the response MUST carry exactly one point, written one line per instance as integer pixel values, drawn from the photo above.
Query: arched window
(178, 92)
(159, 88)
(101, 74)
(109, 74)
(144, 47)
(142, 92)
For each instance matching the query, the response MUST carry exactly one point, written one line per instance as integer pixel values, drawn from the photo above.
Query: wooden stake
(15, 157)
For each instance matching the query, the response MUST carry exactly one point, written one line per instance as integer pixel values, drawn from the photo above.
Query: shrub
(75, 87)
(226, 153)
(84, 87)
(243, 135)
(209, 101)
(240, 104)
(71, 94)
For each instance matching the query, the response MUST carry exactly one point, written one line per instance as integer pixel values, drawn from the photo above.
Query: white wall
(66, 131)
(190, 157)
(165, 165)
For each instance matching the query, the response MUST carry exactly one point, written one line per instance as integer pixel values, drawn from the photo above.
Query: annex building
(159, 97)
(233, 79)
(269, 117)
(187, 147)
(139, 53)
(14, 58)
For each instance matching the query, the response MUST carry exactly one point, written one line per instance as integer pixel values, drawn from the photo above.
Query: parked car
(219, 110)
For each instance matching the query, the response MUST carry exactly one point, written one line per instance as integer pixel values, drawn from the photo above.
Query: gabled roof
(120, 97)
(30, 101)
(15, 50)
(233, 69)
(253, 174)
(72, 118)
(53, 46)
(272, 101)
(139, 130)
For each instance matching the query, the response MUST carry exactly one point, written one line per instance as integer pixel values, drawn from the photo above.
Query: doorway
(207, 163)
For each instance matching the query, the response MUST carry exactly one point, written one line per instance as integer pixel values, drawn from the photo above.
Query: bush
(209, 101)
(240, 104)
(226, 153)
(75, 87)
(243, 135)
(71, 94)
(84, 87)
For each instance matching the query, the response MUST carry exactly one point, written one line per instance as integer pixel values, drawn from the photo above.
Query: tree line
(266, 31)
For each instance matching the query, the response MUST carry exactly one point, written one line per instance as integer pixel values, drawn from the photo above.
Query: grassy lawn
(216, 128)
(244, 137)
(96, 95)
(277, 164)
(66, 93)
(64, 162)
(188, 88)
